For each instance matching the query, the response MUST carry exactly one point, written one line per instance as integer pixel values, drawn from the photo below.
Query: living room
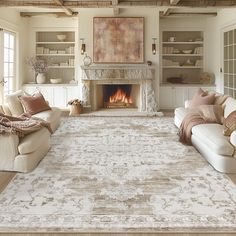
(96, 134)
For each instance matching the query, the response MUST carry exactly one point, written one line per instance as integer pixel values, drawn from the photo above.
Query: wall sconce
(154, 50)
(83, 47)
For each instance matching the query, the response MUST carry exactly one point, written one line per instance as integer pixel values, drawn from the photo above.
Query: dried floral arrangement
(38, 65)
(75, 102)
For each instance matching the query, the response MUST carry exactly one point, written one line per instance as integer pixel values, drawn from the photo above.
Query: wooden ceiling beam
(188, 14)
(121, 3)
(174, 2)
(67, 10)
(57, 14)
(167, 12)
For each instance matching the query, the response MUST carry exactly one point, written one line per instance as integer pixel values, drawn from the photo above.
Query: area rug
(119, 174)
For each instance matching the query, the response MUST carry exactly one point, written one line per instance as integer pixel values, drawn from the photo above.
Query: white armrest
(187, 103)
(9, 150)
(233, 138)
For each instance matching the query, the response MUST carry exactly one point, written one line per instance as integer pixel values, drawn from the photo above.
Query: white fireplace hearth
(141, 77)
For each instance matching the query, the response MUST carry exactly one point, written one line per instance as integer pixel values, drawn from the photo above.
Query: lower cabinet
(172, 97)
(57, 95)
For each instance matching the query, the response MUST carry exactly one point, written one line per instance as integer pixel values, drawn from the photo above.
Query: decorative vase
(41, 78)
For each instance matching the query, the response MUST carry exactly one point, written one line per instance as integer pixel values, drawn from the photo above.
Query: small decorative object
(83, 47)
(175, 80)
(188, 51)
(61, 37)
(76, 107)
(40, 67)
(149, 63)
(172, 39)
(87, 60)
(40, 78)
(56, 81)
(154, 50)
(207, 78)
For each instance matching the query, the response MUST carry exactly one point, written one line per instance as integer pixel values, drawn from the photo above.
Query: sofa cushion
(230, 106)
(202, 98)
(212, 113)
(212, 136)
(14, 103)
(33, 141)
(34, 104)
(50, 115)
(229, 124)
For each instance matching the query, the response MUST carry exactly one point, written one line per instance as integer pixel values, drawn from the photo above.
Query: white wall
(10, 20)
(214, 28)
(151, 19)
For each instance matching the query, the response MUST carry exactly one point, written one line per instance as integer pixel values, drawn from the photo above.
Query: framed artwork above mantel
(118, 39)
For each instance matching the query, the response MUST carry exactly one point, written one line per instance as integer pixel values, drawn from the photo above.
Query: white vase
(41, 78)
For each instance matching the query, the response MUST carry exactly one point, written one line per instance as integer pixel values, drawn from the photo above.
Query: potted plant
(40, 67)
(76, 107)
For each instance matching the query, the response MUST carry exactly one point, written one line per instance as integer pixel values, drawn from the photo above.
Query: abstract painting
(118, 40)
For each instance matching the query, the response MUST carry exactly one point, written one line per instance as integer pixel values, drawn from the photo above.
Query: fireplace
(119, 86)
(118, 96)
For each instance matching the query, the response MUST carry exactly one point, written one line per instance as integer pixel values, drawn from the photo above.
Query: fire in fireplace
(117, 96)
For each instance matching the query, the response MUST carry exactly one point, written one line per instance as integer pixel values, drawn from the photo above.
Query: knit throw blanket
(22, 125)
(202, 115)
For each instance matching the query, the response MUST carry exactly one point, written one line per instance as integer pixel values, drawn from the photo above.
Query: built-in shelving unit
(60, 54)
(182, 56)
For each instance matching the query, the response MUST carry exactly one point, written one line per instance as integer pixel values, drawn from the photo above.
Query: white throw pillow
(14, 103)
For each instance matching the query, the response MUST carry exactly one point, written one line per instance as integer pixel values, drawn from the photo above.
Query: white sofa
(23, 154)
(208, 139)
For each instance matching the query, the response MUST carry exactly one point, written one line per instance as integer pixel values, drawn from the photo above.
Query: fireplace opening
(117, 96)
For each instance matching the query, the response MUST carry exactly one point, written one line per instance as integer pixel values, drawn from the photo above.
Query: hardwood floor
(5, 178)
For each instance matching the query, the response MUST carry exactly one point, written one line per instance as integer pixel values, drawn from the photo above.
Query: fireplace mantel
(121, 72)
(140, 74)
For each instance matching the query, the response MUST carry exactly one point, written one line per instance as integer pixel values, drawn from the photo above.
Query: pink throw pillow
(202, 98)
(34, 104)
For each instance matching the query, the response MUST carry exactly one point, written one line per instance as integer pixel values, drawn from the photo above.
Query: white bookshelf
(176, 61)
(57, 53)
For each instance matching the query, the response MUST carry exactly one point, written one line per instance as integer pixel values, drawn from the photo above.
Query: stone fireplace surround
(141, 75)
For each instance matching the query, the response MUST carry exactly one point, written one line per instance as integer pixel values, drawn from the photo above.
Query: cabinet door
(47, 93)
(72, 92)
(179, 96)
(59, 97)
(191, 91)
(30, 89)
(166, 97)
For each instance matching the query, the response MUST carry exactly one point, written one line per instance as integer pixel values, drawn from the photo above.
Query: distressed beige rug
(119, 174)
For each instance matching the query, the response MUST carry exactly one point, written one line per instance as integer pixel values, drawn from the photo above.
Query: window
(230, 63)
(9, 61)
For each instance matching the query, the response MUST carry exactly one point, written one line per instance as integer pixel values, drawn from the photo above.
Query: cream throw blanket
(22, 125)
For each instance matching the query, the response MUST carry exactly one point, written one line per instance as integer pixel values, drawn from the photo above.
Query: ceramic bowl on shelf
(61, 37)
(56, 81)
(188, 51)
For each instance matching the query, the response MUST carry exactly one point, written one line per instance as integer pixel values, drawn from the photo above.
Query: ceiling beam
(174, 2)
(188, 14)
(57, 4)
(67, 10)
(57, 14)
(167, 12)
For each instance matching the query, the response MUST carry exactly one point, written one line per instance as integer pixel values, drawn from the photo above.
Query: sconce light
(83, 46)
(154, 50)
